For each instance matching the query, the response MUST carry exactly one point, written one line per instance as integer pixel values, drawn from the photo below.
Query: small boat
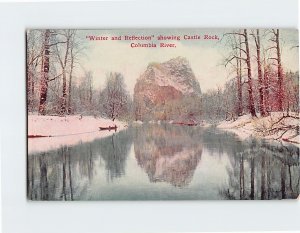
(189, 120)
(184, 123)
(38, 136)
(109, 128)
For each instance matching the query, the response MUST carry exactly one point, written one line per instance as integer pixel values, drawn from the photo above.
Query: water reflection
(263, 171)
(114, 151)
(165, 162)
(68, 172)
(167, 153)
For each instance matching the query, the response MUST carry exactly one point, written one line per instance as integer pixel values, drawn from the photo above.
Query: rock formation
(163, 89)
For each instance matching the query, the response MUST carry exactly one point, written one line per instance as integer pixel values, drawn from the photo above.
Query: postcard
(162, 114)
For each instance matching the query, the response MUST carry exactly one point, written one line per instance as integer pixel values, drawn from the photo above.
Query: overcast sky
(205, 56)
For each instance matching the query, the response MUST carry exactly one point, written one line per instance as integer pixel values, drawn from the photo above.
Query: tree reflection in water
(260, 170)
(66, 173)
(167, 154)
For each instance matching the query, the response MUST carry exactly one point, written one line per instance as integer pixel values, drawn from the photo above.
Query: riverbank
(277, 126)
(68, 130)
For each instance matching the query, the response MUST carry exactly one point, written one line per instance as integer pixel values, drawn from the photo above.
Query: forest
(258, 83)
(52, 87)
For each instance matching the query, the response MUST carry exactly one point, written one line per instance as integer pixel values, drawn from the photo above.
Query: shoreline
(56, 131)
(246, 126)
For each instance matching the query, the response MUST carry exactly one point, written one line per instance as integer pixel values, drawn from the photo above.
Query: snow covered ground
(68, 130)
(246, 126)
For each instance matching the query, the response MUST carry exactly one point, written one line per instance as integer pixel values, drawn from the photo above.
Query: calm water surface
(165, 162)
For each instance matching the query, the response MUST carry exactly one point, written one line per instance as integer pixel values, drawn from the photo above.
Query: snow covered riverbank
(68, 130)
(278, 126)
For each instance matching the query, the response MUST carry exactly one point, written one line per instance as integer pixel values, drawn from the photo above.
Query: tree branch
(240, 49)
(60, 42)
(54, 78)
(233, 57)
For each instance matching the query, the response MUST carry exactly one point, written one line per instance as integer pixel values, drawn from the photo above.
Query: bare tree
(70, 78)
(275, 38)
(239, 81)
(291, 83)
(89, 85)
(115, 96)
(246, 57)
(63, 55)
(250, 87)
(266, 84)
(235, 45)
(261, 88)
(34, 51)
(44, 73)
(76, 49)
(83, 99)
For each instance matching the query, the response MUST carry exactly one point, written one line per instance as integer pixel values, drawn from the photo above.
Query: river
(165, 162)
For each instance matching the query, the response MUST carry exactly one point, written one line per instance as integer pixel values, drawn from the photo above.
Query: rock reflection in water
(166, 162)
(167, 153)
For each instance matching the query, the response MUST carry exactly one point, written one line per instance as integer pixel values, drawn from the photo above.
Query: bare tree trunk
(250, 87)
(30, 87)
(32, 101)
(29, 78)
(113, 112)
(44, 74)
(63, 64)
(64, 91)
(279, 71)
(266, 88)
(260, 76)
(90, 93)
(70, 86)
(239, 82)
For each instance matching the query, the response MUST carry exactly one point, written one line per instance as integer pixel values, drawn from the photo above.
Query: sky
(206, 57)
